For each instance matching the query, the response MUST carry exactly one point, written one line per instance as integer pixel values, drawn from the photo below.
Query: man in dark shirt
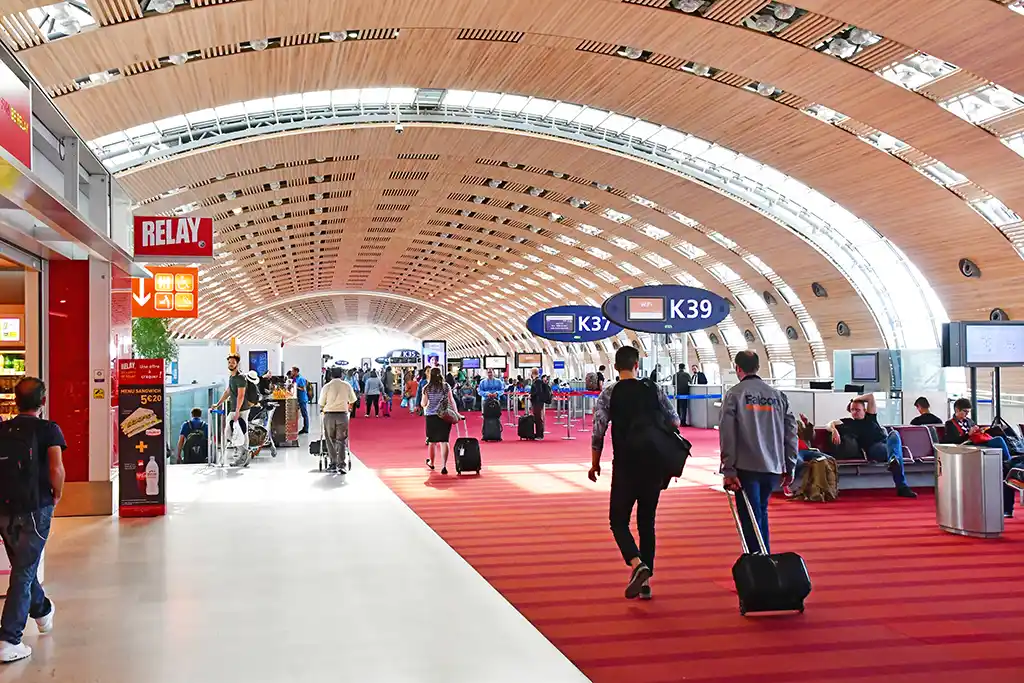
(600, 378)
(872, 439)
(24, 532)
(924, 417)
(636, 478)
(698, 377)
(683, 379)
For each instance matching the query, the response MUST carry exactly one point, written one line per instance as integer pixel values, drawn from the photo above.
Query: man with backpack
(637, 476)
(540, 397)
(758, 440)
(31, 485)
(683, 380)
(193, 439)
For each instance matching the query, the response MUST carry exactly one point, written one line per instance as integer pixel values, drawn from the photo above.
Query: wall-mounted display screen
(529, 360)
(990, 345)
(470, 363)
(559, 324)
(865, 367)
(435, 354)
(642, 308)
(495, 362)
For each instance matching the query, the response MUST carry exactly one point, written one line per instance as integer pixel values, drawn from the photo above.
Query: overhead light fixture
(318, 196)
(277, 202)
(560, 176)
(631, 52)
(860, 36)
(161, 6)
(64, 23)
(783, 11)
(765, 89)
(338, 36)
(602, 187)
(260, 44)
(477, 199)
(222, 177)
(688, 6)
(237, 210)
(318, 178)
(535, 192)
(842, 48)
(494, 182)
(701, 69)
(578, 203)
(178, 59)
(276, 185)
(229, 195)
(765, 23)
(321, 160)
(516, 207)
(555, 216)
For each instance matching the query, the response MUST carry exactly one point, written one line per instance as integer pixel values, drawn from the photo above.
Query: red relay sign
(165, 238)
(15, 116)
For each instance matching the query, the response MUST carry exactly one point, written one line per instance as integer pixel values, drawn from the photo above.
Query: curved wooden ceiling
(568, 50)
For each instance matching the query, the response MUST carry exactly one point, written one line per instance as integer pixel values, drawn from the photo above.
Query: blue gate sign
(559, 365)
(666, 309)
(572, 324)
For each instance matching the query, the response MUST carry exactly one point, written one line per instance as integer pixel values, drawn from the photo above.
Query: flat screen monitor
(991, 345)
(559, 324)
(495, 362)
(435, 354)
(470, 363)
(643, 308)
(865, 367)
(528, 360)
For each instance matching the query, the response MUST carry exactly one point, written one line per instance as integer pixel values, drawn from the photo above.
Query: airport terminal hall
(511, 341)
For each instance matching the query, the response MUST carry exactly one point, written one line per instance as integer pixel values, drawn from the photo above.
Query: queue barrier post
(568, 421)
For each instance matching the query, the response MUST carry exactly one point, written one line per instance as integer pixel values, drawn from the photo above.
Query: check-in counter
(705, 409)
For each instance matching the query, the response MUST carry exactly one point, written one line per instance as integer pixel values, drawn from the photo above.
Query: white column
(100, 418)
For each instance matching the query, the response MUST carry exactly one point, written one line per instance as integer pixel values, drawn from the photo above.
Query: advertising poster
(140, 438)
(15, 116)
(435, 354)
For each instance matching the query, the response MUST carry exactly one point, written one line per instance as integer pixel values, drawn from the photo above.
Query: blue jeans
(890, 451)
(305, 415)
(24, 537)
(802, 457)
(758, 487)
(1000, 443)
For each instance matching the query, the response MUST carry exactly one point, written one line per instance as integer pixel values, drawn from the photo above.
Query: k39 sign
(572, 324)
(666, 309)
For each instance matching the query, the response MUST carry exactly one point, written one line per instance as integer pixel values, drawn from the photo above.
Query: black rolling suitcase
(767, 583)
(467, 451)
(491, 429)
(527, 427)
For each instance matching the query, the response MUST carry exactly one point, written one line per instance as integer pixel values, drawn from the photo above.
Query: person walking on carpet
(637, 479)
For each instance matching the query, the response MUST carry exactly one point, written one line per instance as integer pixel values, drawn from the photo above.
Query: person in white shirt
(336, 401)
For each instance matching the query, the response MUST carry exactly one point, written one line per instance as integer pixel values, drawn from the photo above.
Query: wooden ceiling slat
(955, 84)
(1006, 125)
(107, 12)
(811, 29)
(881, 54)
(734, 11)
(19, 32)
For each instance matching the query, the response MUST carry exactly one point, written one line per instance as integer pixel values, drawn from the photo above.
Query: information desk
(705, 406)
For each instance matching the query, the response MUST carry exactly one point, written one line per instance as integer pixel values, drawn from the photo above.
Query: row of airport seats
(918, 459)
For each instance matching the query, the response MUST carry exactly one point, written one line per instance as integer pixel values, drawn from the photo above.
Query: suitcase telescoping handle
(753, 522)
(461, 428)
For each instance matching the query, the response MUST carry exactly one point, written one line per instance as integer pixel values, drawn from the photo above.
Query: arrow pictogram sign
(172, 292)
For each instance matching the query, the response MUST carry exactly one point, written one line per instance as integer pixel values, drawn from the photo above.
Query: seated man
(924, 413)
(961, 429)
(872, 439)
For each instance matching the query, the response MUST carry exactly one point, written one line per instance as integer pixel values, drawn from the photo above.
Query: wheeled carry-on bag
(492, 429)
(466, 450)
(767, 583)
(527, 427)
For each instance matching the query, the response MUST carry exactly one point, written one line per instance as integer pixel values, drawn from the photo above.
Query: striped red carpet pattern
(894, 599)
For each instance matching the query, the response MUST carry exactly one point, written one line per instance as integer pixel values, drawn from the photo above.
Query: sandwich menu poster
(140, 437)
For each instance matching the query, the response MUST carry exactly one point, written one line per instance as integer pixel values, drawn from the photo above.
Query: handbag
(654, 434)
(446, 411)
(1001, 427)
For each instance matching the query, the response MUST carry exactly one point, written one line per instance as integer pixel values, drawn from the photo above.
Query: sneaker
(45, 623)
(905, 492)
(787, 491)
(444, 470)
(645, 591)
(636, 580)
(9, 652)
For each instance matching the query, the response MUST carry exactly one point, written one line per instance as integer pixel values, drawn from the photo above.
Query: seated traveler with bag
(877, 446)
(961, 429)
(644, 460)
(817, 475)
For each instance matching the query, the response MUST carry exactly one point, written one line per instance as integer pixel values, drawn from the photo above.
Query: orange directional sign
(171, 293)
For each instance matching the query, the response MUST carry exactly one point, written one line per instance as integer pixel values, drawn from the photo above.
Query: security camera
(399, 128)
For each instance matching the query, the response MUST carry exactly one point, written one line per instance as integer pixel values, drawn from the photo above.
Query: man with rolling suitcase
(758, 440)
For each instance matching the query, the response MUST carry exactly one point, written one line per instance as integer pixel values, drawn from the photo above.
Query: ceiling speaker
(969, 268)
(842, 329)
(748, 335)
(769, 298)
(791, 333)
(819, 290)
(714, 339)
(998, 314)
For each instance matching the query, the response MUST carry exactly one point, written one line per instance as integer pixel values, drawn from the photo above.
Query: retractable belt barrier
(568, 409)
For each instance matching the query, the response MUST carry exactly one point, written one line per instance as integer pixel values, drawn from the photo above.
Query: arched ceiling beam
(784, 203)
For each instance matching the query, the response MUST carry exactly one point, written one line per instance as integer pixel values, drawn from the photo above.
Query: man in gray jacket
(758, 441)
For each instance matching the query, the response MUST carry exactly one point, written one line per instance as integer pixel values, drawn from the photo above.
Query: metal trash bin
(969, 490)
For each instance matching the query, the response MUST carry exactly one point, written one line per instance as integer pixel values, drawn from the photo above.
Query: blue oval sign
(572, 324)
(666, 309)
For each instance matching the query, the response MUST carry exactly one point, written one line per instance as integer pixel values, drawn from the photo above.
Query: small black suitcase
(492, 429)
(767, 583)
(467, 453)
(527, 427)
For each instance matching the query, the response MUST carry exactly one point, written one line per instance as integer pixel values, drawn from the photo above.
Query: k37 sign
(169, 239)
(572, 324)
(666, 309)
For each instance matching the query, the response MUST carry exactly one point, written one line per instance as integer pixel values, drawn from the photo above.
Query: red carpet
(895, 598)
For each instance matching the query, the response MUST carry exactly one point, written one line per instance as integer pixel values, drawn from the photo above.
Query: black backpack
(19, 468)
(195, 448)
(252, 394)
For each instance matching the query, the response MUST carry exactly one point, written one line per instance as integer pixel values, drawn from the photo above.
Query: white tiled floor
(276, 573)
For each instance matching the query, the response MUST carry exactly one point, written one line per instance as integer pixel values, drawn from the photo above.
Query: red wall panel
(69, 389)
